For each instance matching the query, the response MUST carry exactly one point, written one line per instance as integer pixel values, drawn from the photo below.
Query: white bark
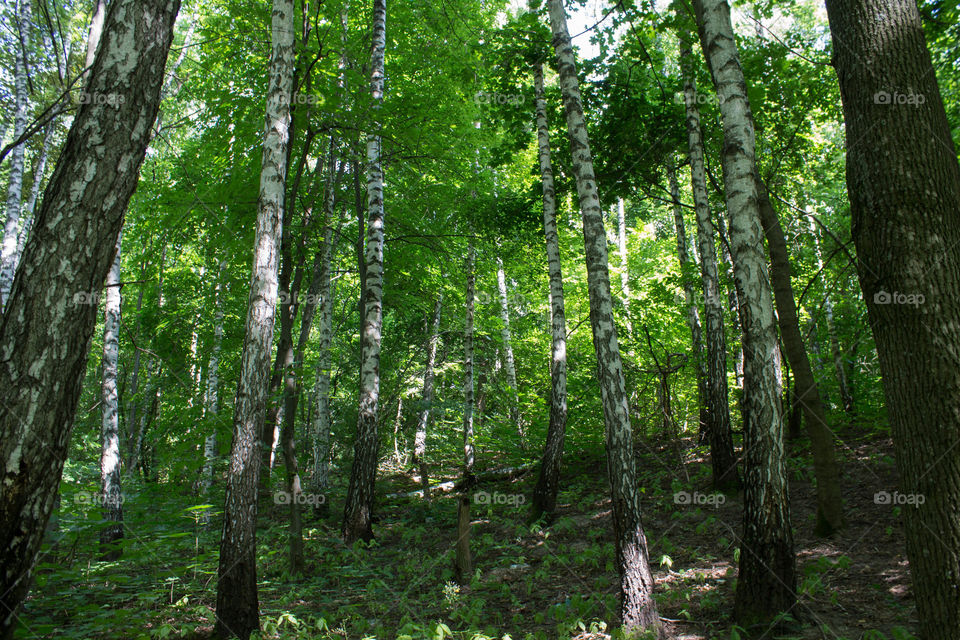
(15, 189)
(39, 167)
(110, 413)
(468, 373)
(638, 609)
(211, 397)
(423, 421)
(237, 588)
(509, 363)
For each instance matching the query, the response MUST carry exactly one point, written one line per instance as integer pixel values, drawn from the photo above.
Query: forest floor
(529, 582)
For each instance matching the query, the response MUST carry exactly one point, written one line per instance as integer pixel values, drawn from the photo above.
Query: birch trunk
(903, 181)
(767, 577)
(689, 296)
(826, 470)
(321, 419)
(237, 604)
(423, 421)
(722, 457)
(15, 188)
(638, 609)
(358, 510)
(548, 483)
(110, 491)
(509, 362)
(39, 167)
(70, 249)
(468, 386)
(211, 397)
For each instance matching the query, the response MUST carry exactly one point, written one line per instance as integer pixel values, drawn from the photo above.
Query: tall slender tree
(423, 420)
(358, 511)
(637, 609)
(509, 363)
(548, 483)
(110, 494)
(64, 264)
(767, 578)
(722, 457)
(237, 602)
(903, 180)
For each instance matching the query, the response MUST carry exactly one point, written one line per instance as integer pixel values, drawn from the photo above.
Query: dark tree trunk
(53, 298)
(904, 186)
(829, 501)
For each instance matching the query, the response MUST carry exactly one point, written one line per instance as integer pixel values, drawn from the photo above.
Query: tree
(64, 264)
(548, 482)
(829, 501)
(904, 186)
(110, 425)
(508, 361)
(722, 457)
(767, 579)
(357, 523)
(637, 607)
(423, 420)
(237, 605)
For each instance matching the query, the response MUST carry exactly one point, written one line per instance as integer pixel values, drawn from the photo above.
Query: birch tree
(637, 607)
(509, 363)
(767, 579)
(110, 491)
(722, 457)
(423, 420)
(237, 603)
(360, 493)
(46, 329)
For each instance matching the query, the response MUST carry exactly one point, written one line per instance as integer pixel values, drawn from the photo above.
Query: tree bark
(638, 609)
(468, 366)
(321, 419)
(237, 603)
(548, 483)
(423, 421)
(767, 578)
(63, 268)
(904, 186)
(689, 296)
(110, 493)
(8, 254)
(358, 511)
(826, 470)
(211, 398)
(508, 361)
(722, 457)
(624, 265)
(39, 167)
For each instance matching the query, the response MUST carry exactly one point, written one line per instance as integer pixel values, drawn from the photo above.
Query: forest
(480, 319)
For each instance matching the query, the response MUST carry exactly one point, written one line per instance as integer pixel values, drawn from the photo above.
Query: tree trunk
(211, 398)
(689, 296)
(904, 185)
(624, 265)
(638, 609)
(548, 483)
(829, 501)
(69, 253)
(358, 510)
(767, 578)
(468, 387)
(8, 255)
(237, 603)
(110, 424)
(722, 457)
(319, 478)
(420, 439)
(509, 362)
(39, 167)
